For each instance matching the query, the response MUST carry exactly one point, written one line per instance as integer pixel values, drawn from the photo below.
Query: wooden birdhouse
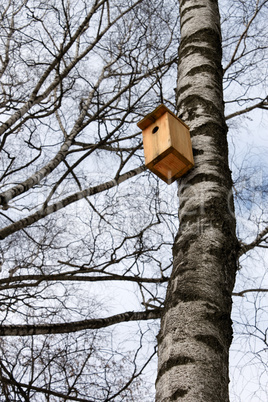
(167, 144)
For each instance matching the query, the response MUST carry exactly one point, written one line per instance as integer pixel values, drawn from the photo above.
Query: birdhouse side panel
(180, 138)
(156, 138)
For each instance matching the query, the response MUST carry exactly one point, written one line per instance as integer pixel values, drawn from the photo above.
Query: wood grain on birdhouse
(167, 144)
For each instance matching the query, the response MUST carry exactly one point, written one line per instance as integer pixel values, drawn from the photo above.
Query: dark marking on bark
(204, 68)
(186, 20)
(213, 129)
(181, 271)
(182, 2)
(222, 321)
(207, 35)
(202, 177)
(186, 244)
(185, 87)
(197, 152)
(208, 52)
(186, 10)
(191, 286)
(187, 295)
(192, 103)
(213, 216)
(210, 341)
(178, 394)
(174, 362)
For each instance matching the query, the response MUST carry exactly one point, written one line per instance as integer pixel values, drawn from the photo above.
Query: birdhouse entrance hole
(167, 144)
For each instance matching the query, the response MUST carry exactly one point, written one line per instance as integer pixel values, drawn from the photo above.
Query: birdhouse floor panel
(170, 165)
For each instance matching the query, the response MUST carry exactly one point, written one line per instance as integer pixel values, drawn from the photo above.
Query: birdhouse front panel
(156, 139)
(167, 144)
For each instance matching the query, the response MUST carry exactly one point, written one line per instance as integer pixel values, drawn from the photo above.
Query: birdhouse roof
(153, 116)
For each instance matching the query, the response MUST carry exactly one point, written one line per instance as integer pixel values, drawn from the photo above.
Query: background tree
(78, 206)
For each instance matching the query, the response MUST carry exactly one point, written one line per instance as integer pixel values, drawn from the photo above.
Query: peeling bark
(196, 328)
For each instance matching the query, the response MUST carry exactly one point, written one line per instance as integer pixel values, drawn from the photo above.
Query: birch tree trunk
(196, 328)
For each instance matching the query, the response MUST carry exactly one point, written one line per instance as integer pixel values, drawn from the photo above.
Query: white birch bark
(196, 328)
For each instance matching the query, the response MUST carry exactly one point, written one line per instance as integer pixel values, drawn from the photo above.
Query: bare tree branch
(45, 391)
(244, 34)
(260, 105)
(61, 328)
(260, 290)
(23, 223)
(22, 281)
(262, 236)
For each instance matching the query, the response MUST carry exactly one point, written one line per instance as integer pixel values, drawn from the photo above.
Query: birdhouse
(167, 144)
